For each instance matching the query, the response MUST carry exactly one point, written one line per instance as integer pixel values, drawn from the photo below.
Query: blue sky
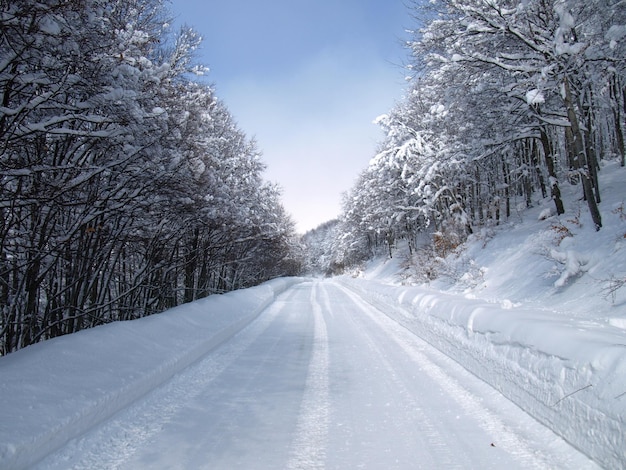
(306, 78)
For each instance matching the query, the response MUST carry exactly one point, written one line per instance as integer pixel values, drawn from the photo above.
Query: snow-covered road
(321, 379)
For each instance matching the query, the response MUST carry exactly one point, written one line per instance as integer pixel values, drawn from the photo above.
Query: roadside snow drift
(52, 392)
(568, 374)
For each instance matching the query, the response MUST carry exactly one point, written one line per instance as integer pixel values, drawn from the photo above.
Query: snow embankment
(568, 374)
(53, 391)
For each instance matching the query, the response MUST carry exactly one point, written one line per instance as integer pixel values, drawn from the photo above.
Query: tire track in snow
(439, 454)
(308, 449)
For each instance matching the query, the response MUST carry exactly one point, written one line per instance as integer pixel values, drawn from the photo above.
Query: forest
(127, 186)
(508, 101)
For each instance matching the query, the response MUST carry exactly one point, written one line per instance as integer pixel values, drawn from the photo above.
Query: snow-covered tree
(127, 187)
(508, 102)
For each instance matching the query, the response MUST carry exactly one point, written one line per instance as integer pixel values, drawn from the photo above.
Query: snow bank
(569, 374)
(52, 392)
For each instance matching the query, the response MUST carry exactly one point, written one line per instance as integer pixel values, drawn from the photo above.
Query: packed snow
(518, 362)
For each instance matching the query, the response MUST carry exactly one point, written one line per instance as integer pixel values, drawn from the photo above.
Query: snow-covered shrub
(422, 266)
(426, 265)
(445, 243)
(546, 213)
(619, 211)
(563, 230)
(473, 274)
(573, 264)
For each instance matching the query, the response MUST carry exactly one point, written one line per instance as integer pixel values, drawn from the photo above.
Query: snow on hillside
(537, 309)
(528, 264)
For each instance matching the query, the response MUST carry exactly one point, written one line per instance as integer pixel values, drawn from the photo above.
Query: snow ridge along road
(320, 379)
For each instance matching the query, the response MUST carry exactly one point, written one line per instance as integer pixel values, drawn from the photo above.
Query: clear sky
(306, 78)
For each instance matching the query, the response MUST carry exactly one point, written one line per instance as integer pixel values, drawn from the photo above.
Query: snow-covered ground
(319, 378)
(359, 372)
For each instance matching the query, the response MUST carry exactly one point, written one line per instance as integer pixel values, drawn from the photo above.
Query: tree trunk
(534, 152)
(579, 157)
(554, 182)
(592, 160)
(507, 188)
(191, 264)
(618, 95)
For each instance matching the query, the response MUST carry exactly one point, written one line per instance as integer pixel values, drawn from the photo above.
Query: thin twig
(575, 391)
(620, 396)
(613, 285)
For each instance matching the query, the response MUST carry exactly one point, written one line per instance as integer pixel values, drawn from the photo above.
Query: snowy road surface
(321, 379)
